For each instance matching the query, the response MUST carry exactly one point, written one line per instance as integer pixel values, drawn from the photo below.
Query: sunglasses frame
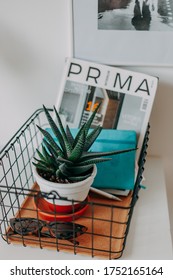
(69, 234)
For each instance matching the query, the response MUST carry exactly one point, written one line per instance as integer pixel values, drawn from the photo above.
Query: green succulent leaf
(51, 141)
(64, 170)
(59, 174)
(55, 130)
(55, 154)
(90, 120)
(40, 155)
(67, 143)
(47, 159)
(63, 160)
(92, 137)
(78, 178)
(44, 163)
(69, 136)
(78, 135)
(78, 170)
(78, 149)
(74, 171)
(44, 168)
(93, 161)
(46, 155)
(102, 154)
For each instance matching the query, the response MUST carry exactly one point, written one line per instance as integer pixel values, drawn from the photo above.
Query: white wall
(33, 44)
(161, 121)
(34, 40)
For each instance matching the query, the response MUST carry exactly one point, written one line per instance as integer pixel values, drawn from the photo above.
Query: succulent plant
(65, 158)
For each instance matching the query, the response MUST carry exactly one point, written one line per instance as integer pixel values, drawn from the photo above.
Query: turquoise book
(119, 172)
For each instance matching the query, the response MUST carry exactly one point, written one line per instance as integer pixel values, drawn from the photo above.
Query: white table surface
(149, 237)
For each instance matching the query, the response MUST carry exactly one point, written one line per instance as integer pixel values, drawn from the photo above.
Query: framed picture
(124, 32)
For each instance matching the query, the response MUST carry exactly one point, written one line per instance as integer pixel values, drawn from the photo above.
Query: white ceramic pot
(74, 191)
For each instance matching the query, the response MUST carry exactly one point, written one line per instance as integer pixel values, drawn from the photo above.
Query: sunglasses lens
(66, 230)
(24, 226)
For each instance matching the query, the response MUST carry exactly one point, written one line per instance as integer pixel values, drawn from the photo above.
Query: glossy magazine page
(127, 97)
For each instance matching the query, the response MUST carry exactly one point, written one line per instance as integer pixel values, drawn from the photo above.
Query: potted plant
(66, 164)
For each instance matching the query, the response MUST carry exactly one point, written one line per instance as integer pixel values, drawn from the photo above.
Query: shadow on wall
(161, 137)
(168, 168)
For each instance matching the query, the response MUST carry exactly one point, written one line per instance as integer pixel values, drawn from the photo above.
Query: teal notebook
(119, 173)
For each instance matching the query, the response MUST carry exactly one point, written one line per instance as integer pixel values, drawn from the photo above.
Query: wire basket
(99, 228)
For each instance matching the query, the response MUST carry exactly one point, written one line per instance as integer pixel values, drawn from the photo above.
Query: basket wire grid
(107, 223)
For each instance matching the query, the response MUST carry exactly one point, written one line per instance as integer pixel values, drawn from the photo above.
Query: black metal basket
(105, 223)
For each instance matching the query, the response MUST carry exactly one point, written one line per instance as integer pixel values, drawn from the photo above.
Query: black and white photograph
(147, 15)
(123, 32)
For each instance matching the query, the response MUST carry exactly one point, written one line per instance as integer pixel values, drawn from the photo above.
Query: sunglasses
(59, 230)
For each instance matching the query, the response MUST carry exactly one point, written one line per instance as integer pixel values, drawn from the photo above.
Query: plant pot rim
(53, 184)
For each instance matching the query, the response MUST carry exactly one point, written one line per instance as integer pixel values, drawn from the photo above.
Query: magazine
(126, 97)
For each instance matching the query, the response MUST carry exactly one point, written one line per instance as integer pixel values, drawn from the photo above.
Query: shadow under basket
(106, 222)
